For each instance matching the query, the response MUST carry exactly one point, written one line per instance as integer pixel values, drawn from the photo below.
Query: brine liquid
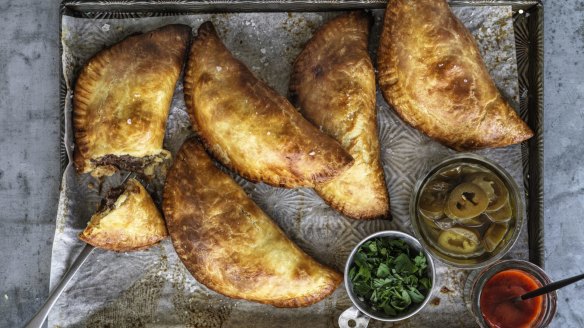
(445, 180)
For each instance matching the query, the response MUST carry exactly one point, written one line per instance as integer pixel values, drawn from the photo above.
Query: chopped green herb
(387, 277)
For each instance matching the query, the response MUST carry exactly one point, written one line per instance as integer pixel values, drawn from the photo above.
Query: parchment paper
(153, 289)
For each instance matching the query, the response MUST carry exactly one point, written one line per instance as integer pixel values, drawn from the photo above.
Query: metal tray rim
(183, 6)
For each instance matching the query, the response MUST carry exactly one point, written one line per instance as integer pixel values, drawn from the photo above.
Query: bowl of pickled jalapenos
(467, 211)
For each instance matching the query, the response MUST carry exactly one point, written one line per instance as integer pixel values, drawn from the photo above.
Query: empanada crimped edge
(248, 126)
(229, 244)
(431, 72)
(333, 85)
(121, 101)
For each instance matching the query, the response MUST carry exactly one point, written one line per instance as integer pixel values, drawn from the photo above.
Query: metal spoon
(39, 318)
(548, 288)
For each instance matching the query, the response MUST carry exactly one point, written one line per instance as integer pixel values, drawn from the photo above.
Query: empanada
(229, 244)
(432, 74)
(121, 102)
(333, 83)
(127, 220)
(248, 126)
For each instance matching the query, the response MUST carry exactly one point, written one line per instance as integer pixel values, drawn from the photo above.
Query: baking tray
(528, 28)
(529, 48)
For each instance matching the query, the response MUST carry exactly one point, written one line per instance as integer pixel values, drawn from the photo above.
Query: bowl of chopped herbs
(389, 276)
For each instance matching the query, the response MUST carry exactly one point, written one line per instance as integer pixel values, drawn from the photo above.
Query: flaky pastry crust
(130, 222)
(333, 84)
(229, 244)
(248, 126)
(432, 74)
(121, 101)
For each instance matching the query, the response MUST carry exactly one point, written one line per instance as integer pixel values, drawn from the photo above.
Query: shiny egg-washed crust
(122, 98)
(333, 84)
(248, 126)
(432, 74)
(229, 244)
(133, 223)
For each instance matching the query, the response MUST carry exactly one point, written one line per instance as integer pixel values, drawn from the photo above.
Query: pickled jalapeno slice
(430, 207)
(475, 222)
(466, 201)
(495, 188)
(494, 235)
(431, 203)
(459, 240)
(504, 214)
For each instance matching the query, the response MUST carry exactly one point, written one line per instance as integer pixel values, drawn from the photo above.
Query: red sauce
(497, 305)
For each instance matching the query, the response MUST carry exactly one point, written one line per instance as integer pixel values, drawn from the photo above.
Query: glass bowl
(424, 233)
(478, 279)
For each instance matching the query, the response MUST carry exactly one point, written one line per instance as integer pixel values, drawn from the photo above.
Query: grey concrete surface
(29, 156)
(29, 163)
(564, 153)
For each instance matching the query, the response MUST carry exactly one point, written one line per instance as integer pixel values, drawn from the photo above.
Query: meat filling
(108, 202)
(125, 162)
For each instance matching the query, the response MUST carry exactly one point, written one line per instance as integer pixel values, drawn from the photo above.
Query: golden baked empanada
(127, 220)
(121, 102)
(333, 83)
(229, 244)
(432, 74)
(248, 126)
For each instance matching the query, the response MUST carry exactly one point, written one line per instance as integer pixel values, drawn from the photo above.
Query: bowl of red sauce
(491, 293)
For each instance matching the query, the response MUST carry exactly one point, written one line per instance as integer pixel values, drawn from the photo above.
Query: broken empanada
(432, 74)
(248, 126)
(333, 83)
(229, 244)
(121, 102)
(127, 220)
